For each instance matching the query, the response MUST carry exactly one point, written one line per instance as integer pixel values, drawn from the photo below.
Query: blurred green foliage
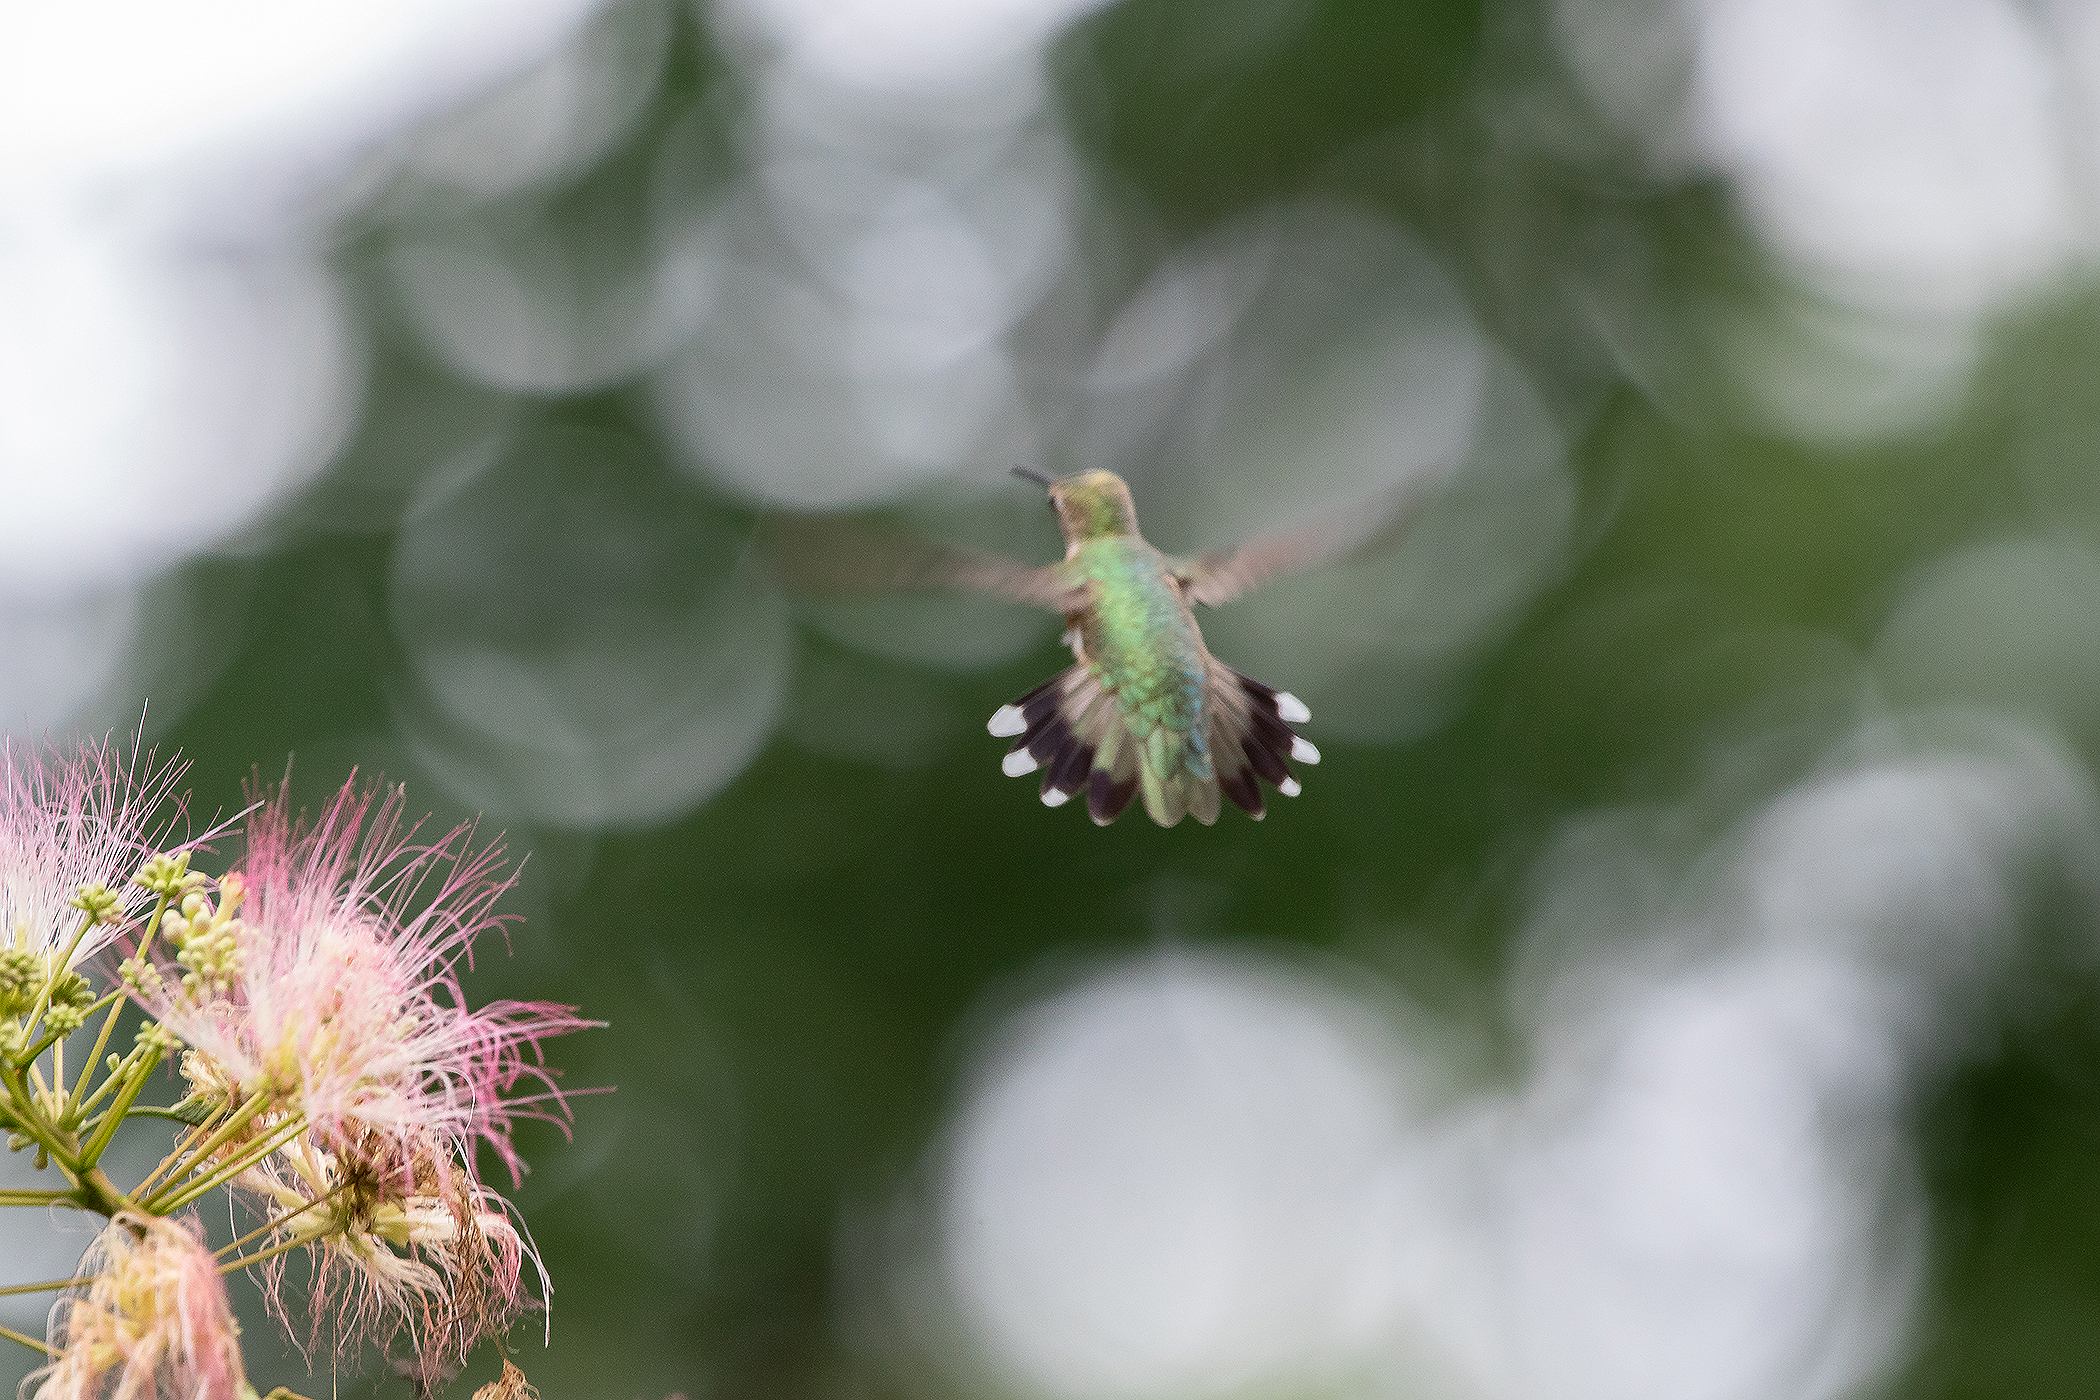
(790, 971)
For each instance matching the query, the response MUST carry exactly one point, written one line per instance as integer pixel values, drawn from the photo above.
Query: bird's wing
(812, 554)
(1225, 574)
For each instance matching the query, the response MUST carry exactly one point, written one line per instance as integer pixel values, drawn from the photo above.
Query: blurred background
(1679, 981)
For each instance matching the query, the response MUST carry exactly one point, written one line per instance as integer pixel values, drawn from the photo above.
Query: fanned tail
(1251, 739)
(1072, 730)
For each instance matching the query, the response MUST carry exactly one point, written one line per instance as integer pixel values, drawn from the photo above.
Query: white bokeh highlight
(858, 348)
(2011, 624)
(610, 663)
(1908, 152)
(545, 125)
(909, 200)
(161, 399)
(1164, 1179)
(177, 358)
(1204, 1174)
(233, 114)
(1914, 172)
(903, 48)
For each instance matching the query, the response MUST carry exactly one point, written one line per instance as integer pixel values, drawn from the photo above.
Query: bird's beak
(1031, 474)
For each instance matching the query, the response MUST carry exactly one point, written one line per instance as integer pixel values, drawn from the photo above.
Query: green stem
(254, 1104)
(98, 1193)
(87, 1068)
(154, 1180)
(293, 1214)
(234, 1266)
(149, 1110)
(30, 1055)
(33, 1198)
(31, 1122)
(46, 1287)
(119, 1076)
(92, 1188)
(160, 908)
(290, 1129)
(43, 998)
(91, 1152)
(32, 1343)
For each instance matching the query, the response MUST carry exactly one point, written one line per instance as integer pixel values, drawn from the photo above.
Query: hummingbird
(1145, 710)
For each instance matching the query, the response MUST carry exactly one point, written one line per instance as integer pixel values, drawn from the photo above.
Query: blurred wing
(830, 556)
(1225, 574)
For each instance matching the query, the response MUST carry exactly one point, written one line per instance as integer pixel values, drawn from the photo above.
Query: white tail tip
(1056, 797)
(1289, 787)
(1018, 762)
(1008, 721)
(1290, 709)
(1303, 751)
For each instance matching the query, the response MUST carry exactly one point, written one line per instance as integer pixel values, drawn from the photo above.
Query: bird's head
(1090, 505)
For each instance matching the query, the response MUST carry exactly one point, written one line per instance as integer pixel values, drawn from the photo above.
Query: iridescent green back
(1144, 647)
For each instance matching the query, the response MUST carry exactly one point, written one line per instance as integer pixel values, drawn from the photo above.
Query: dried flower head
(441, 1262)
(152, 1320)
(511, 1385)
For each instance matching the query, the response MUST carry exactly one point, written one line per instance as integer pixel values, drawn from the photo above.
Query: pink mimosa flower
(74, 818)
(152, 1321)
(320, 990)
(327, 977)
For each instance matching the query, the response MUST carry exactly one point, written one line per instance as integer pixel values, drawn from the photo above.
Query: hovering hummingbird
(1145, 710)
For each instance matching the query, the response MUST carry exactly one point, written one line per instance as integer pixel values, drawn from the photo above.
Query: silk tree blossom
(335, 1056)
(152, 1320)
(325, 979)
(340, 1084)
(72, 820)
(443, 1262)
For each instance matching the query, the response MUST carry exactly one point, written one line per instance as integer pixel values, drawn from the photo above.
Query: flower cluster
(339, 1083)
(153, 1319)
(318, 993)
(437, 1257)
(74, 826)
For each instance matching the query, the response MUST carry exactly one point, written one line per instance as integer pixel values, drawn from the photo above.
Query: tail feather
(1073, 731)
(1107, 795)
(1252, 741)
